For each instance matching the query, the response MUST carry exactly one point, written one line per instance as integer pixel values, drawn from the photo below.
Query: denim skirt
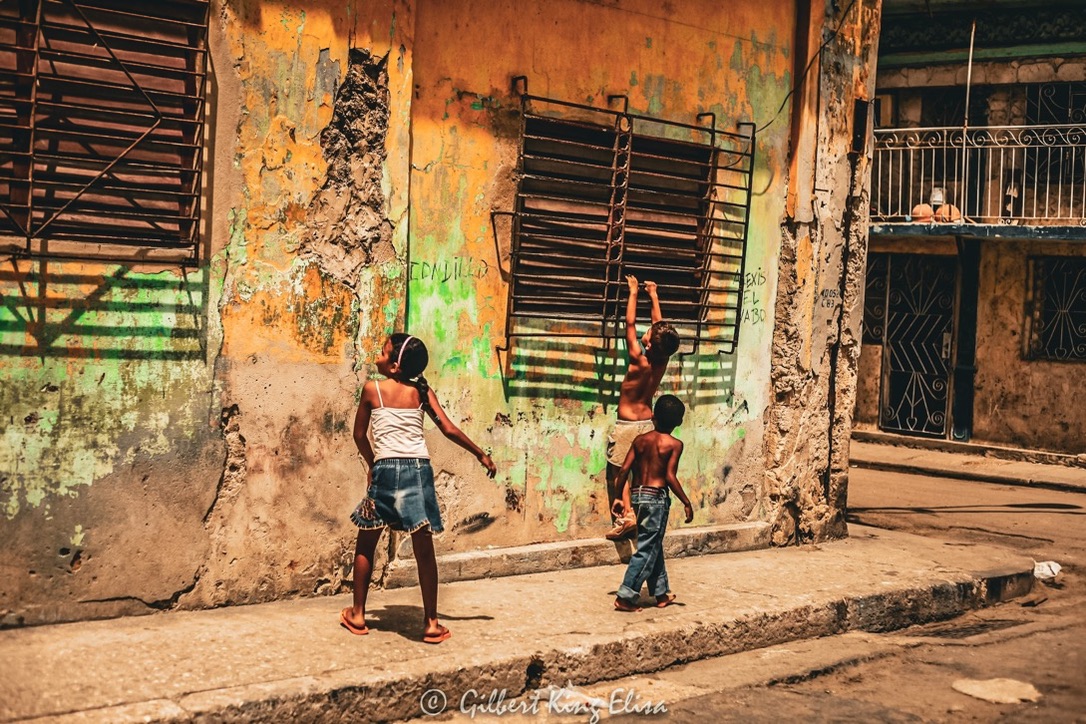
(401, 497)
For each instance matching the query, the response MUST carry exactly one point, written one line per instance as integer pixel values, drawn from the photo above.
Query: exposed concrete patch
(234, 467)
(346, 225)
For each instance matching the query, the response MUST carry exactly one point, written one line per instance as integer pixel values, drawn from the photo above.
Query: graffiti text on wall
(753, 309)
(460, 267)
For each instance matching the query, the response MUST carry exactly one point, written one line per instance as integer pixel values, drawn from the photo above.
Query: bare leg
(422, 542)
(363, 571)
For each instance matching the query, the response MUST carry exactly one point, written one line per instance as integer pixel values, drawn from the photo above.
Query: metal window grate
(606, 193)
(102, 120)
(1056, 303)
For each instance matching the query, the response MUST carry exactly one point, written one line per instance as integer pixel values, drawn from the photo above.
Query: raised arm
(673, 481)
(633, 344)
(657, 315)
(454, 433)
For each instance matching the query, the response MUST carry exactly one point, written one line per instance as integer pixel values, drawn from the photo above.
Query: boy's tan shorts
(622, 436)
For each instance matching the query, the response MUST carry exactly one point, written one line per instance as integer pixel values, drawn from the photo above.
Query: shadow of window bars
(54, 311)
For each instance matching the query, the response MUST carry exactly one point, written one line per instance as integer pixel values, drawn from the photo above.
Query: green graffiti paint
(562, 517)
(111, 376)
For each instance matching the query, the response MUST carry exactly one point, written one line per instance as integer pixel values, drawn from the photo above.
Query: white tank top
(397, 432)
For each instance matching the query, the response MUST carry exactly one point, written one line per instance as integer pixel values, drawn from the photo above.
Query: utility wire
(807, 70)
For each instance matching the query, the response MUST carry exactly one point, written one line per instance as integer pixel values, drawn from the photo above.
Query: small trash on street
(998, 691)
(1046, 571)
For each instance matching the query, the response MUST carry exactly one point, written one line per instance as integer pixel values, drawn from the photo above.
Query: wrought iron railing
(1026, 175)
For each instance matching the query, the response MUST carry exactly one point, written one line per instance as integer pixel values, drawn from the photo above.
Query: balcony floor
(1009, 232)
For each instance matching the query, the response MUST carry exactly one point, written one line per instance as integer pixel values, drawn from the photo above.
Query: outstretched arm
(673, 482)
(454, 433)
(633, 344)
(657, 315)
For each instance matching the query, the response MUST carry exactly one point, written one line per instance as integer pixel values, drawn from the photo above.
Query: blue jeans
(647, 563)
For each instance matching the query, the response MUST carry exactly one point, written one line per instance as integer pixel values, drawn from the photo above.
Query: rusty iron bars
(604, 193)
(102, 118)
(1029, 175)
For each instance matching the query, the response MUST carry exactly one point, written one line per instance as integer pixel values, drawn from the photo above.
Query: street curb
(354, 695)
(563, 555)
(948, 472)
(975, 449)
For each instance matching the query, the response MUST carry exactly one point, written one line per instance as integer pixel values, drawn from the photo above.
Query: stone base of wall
(545, 557)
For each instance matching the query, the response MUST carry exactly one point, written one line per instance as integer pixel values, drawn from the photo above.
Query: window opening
(1056, 308)
(102, 114)
(605, 193)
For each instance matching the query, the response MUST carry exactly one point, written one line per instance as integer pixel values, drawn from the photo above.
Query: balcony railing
(1026, 175)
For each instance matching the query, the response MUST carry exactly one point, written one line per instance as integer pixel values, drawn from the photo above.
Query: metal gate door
(918, 344)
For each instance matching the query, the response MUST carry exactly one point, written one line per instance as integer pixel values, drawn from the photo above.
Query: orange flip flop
(346, 623)
(438, 637)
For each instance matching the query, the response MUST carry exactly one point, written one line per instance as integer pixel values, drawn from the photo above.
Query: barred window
(604, 194)
(1056, 308)
(102, 123)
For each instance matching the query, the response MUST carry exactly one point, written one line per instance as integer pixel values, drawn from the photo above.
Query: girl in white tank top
(400, 493)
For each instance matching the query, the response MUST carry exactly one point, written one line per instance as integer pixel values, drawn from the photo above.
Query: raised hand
(632, 282)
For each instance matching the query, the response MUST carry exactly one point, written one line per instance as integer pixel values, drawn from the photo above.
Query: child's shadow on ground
(649, 603)
(407, 620)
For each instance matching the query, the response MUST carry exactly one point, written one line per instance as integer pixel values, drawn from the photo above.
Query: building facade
(975, 319)
(216, 212)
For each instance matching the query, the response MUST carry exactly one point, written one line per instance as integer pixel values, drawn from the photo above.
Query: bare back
(656, 458)
(638, 387)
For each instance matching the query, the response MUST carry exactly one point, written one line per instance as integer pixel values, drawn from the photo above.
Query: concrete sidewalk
(291, 660)
(966, 465)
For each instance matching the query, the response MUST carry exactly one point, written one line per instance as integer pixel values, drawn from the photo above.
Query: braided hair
(412, 358)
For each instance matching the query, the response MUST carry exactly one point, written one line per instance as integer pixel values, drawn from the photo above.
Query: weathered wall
(1021, 402)
(672, 63)
(184, 440)
(819, 297)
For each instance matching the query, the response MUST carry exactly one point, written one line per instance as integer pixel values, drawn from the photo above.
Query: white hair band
(402, 348)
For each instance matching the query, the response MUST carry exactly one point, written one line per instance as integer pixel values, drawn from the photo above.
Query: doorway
(918, 344)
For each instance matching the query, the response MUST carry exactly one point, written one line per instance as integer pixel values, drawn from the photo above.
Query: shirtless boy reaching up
(648, 358)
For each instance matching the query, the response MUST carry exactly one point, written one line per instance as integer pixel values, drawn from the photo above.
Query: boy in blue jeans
(654, 460)
(648, 359)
